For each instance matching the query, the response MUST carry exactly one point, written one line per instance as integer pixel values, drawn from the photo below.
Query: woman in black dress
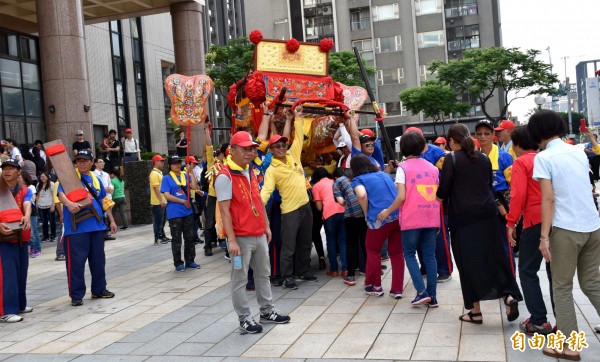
(466, 184)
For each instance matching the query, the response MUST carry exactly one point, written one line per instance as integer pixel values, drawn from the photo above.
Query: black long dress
(485, 273)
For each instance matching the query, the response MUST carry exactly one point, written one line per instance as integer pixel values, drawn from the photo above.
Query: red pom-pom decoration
(231, 96)
(598, 73)
(292, 45)
(256, 36)
(255, 89)
(325, 45)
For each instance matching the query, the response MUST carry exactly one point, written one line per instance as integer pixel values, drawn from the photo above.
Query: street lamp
(539, 100)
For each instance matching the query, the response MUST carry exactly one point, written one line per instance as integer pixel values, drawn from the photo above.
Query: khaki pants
(572, 251)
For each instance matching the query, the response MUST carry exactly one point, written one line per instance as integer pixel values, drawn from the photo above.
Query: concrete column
(64, 69)
(188, 42)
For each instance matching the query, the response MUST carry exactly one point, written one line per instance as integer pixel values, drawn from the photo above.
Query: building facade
(399, 38)
(587, 88)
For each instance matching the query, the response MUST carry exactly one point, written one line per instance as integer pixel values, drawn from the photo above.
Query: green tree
(435, 100)
(497, 72)
(344, 68)
(575, 117)
(226, 64)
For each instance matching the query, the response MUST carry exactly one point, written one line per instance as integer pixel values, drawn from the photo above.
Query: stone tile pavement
(161, 315)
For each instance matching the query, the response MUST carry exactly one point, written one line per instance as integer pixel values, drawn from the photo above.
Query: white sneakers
(26, 310)
(10, 318)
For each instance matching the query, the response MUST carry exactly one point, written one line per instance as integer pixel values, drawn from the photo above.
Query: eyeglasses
(369, 145)
(279, 146)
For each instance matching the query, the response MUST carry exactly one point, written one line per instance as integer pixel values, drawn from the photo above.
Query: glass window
(116, 42)
(430, 39)
(391, 76)
(386, 12)
(12, 45)
(31, 77)
(360, 19)
(10, 74)
(121, 116)
(15, 128)
(35, 129)
(363, 44)
(367, 57)
(117, 68)
(134, 28)
(389, 44)
(114, 25)
(33, 103)
(393, 108)
(424, 7)
(12, 101)
(137, 72)
(119, 92)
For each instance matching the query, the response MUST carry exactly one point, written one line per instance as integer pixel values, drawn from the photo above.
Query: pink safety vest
(420, 208)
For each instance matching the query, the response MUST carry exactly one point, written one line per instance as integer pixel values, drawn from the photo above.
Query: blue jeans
(425, 239)
(335, 232)
(158, 221)
(35, 234)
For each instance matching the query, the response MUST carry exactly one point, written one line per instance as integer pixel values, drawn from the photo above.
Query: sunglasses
(369, 145)
(279, 146)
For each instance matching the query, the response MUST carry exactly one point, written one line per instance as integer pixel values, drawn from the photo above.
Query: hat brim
(284, 139)
(4, 164)
(484, 125)
(498, 129)
(83, 157)
(247, 144)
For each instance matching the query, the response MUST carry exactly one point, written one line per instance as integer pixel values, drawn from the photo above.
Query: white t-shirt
(130, 145)
(105, 179)
(400, 176)
(568, 168)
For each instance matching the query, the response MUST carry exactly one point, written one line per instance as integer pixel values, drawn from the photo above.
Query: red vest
(25, 234)
(246, 221)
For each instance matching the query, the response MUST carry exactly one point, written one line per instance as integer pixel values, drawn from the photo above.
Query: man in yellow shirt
(213, 167)
(287, 175)
(157, 200)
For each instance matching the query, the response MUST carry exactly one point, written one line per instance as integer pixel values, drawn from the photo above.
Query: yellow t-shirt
(155, 180)
(55, 193)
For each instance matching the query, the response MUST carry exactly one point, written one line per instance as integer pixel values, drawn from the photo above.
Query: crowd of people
(483, 204)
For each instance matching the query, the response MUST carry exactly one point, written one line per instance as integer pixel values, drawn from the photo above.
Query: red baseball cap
(368, 132)
(413, 129)
(276, 138)
(440, 140)
(242, 139)
(191, 159)
(128, 130)
(157, 158)
(505, 124)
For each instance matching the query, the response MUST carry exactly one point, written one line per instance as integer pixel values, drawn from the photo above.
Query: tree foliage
(497, 72)
(575, 117)
(434, 99)
(344, 68)
(226, 64)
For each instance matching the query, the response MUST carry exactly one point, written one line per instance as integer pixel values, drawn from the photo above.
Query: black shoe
(308, 278)
(250, 287)
(124, 227)
(110, 238)
(274, 317)
(76, 302)
(105, 294)
(198, 241)
(164, 240)
(276, 281)
(322, 264)
(155, 241)
(208, 252)
(289, 283)
(250, 326)
(444, 278)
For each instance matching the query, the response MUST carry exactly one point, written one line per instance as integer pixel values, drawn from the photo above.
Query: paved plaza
(159, 314)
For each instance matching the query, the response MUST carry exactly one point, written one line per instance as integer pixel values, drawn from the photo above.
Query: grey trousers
(255, 254)
(296, 241)
(573, 251)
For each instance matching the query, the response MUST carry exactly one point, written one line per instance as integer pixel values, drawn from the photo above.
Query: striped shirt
(342, 187)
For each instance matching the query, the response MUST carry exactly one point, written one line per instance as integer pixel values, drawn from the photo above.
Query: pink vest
(420, 208)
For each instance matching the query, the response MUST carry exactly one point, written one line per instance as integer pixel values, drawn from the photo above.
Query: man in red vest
(14, 259)
(247, 227)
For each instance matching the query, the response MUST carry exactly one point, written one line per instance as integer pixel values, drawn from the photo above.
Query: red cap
(440, 140)
(242, 139)
(505, 125)
(128, 130)
(368, 132)
(157, 158)
(477, 145)
(276, 138)
(413, 129)
(191, 159)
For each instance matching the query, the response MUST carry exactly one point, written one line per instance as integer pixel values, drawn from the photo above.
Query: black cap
(85, 154)
(11, 162)
(223, 148)
(485, 122)
(174, 159)
(365, 138)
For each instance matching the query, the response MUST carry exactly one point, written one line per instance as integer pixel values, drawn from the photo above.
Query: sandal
(551, 352)
(471, 320)
(513, 308)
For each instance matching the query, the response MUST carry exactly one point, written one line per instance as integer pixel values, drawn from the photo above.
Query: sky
(570, 28)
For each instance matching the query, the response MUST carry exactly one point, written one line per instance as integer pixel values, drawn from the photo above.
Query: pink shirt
(323, 191)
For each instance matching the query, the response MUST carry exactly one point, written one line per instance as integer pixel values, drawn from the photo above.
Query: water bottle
(237, 262)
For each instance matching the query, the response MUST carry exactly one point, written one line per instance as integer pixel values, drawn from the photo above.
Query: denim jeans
(530, 259)
(158, 221)
(426, 238)
(47, 217)
(335, 232)
(35, 234)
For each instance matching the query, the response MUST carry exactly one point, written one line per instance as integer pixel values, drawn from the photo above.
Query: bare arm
(353, 130)
(547, 217)
(287, 128)
(319, 205)
(263, 129)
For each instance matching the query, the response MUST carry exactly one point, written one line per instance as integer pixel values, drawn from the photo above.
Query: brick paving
(162, 315)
